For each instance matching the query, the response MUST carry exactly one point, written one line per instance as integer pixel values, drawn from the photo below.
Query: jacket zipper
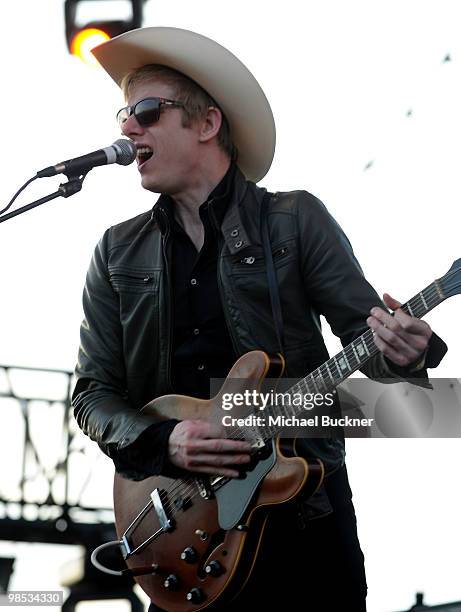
(260, 261)
(141, 279)
(226, 316)
(169, 305)
(218, 275)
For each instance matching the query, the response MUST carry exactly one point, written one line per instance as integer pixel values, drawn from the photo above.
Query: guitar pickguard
(234, 497)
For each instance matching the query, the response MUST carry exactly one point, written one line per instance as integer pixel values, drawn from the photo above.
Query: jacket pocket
(254, 261)
(138, 291)
(134, 280)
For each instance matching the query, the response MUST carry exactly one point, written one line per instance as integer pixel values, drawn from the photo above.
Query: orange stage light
(84, 41)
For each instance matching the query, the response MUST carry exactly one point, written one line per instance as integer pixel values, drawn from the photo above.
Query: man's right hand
(199, 446)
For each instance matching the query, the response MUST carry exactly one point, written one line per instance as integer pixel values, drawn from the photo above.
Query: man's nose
(131, 127)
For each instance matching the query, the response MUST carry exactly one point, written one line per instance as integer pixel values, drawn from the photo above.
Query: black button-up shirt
(202, 347)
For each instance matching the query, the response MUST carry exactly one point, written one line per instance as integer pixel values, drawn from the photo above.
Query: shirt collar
(217, 201)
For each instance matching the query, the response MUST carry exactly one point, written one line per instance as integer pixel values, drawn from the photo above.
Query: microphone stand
(65, 190)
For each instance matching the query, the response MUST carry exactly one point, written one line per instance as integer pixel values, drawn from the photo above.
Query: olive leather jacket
(126, 336)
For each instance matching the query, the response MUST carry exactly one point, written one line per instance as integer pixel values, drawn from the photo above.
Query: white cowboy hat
(216, 70)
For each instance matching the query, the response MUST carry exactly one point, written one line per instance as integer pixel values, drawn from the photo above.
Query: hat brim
(216, 70)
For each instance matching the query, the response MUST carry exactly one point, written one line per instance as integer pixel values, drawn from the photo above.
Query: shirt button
(238, 244)
(234, 233)
(201, 367)
(193, 281)
(196, 331)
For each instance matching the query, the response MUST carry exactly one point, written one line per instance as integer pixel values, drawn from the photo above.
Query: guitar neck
(356, 354)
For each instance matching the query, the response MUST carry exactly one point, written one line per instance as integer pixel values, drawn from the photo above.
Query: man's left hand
(400, 337)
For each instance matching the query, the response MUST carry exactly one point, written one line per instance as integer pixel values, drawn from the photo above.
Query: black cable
(17, 193)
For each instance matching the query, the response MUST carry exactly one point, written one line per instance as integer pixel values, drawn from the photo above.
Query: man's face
(173, 167)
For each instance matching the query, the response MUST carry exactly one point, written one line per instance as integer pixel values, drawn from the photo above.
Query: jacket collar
(232, 228)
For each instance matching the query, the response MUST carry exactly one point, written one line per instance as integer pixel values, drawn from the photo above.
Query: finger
(401, 323)
(395, 355)
(217, 460)
(208, 429)
(408, 323)
(385, 339)
(219, 445)
(391, 302)
(213, 431)
(412, 325)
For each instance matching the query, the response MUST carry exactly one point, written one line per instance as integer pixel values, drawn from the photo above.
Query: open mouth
(144, 153)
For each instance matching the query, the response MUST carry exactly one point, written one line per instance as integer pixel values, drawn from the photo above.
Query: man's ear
(211, 124)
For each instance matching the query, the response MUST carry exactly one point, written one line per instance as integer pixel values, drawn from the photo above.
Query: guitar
(192, 543)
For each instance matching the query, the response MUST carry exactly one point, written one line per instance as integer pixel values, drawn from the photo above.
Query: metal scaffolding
(51, 491)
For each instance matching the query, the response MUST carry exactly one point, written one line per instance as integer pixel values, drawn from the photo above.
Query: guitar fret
(430, 295)
(338, 371)
(303, 385)
(313, 382)
(372, 344)
(439, 290)
(288, 409)
(352, 355)
(362, 347)
(344, 356)
(423, 301)
(283, 408)
(322, 377)
(329, 371)
(341, 363)
(355, 352)
(323, 374)
(410, 309)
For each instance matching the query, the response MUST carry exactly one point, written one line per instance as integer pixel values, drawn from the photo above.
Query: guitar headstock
(451, 282)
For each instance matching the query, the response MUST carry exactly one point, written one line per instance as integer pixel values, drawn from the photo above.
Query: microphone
(122, 152)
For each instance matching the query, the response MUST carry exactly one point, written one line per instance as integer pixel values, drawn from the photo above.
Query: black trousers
(315, 566)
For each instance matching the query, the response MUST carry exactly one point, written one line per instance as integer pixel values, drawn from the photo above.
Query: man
(176, 294)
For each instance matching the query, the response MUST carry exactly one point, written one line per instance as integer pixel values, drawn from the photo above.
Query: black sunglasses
(146, 112)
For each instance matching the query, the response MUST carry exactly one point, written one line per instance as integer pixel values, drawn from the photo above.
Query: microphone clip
(73, 185)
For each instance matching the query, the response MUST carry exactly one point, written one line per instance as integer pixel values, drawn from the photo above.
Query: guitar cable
(99, 566)
(137, 571)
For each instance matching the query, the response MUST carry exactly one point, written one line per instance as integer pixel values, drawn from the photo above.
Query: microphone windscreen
(126, 151)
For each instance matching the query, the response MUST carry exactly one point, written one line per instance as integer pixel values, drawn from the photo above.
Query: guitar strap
(318, 504)
(271, 273)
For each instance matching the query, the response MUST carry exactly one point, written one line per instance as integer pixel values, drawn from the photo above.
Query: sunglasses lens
(122, 116)
(147, 111)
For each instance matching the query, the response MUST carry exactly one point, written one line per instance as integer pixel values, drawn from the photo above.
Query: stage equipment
(85, 30)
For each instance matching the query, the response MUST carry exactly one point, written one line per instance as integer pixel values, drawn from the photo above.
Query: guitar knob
(214, 568)
(195, 595)
(189, 555)
(171, 582)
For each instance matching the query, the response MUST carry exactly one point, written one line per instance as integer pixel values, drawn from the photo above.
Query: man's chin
(150, 184)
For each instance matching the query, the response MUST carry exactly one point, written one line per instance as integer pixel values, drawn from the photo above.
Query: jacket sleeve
(338, 289)
(100, 400)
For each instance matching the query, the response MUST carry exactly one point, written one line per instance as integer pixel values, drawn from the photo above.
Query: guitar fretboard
(354, 356)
